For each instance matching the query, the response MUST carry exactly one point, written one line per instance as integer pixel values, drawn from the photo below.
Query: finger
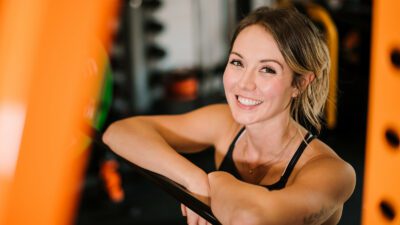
(202, 221)
(183, 209)
(192, 218)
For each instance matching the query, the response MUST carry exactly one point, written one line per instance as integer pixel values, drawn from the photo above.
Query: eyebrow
(263, 60)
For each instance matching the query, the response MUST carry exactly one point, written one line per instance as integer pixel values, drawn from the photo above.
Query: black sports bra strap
(237, 137)
(307, 139)
(233, 143)
(227, 163)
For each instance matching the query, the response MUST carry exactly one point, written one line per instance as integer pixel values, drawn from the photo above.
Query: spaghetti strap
(227, 164)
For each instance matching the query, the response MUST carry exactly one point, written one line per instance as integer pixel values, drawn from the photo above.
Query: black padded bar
(171, 187)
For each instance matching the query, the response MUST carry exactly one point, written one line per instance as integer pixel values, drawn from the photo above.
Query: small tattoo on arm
(315, 217)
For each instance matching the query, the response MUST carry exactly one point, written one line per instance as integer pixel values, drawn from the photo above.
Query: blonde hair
(304, 50)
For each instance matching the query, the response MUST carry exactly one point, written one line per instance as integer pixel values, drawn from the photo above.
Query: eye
(236, 62)
(268, 70)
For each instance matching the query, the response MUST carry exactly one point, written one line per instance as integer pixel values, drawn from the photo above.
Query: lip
(247, 107)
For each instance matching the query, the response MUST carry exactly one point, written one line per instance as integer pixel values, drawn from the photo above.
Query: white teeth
(248, 102)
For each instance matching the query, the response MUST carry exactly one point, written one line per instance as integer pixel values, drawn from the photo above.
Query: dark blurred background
(169, 56)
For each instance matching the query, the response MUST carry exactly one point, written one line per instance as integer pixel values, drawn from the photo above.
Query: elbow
(114, 133)
(107, 136)
(118, 133)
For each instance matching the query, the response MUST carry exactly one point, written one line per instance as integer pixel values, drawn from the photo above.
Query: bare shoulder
(226, 128)
(216, 119)
(221, 111)
(328, 172)
(216, 116)
(219, 118)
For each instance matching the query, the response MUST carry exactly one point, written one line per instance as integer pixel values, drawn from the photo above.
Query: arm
(150, 142)
(321, 188)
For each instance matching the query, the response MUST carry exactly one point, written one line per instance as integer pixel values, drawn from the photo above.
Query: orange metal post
(382, 167)
(45, 49)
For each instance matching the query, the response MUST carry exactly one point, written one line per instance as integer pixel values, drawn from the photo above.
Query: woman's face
(257, 80)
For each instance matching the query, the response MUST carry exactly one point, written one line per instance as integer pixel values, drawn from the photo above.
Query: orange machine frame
(45, 87)
(381, 199)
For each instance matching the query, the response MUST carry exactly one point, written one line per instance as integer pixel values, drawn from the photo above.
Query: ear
(306, 79)
(295, 92)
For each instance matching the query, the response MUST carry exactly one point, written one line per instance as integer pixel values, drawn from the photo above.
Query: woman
(271, 169)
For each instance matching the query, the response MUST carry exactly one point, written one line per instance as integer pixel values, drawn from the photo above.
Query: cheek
(273, 89)
(228, 79)
(225, 81)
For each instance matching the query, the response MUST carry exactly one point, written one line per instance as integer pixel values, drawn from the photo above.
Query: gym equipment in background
(105, 99)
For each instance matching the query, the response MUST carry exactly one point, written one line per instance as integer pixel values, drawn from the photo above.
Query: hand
(199, 188)
(192, 218)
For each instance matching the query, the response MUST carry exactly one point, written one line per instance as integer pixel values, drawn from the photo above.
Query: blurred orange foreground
(45, 91)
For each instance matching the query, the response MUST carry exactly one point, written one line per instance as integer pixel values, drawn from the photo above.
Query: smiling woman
(271, 168)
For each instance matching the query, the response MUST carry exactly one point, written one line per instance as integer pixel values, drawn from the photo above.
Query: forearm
(139, 142)
(237, 202)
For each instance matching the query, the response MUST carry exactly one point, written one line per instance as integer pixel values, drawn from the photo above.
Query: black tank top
(228, 165)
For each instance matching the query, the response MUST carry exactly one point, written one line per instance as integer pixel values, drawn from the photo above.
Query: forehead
(256, 42)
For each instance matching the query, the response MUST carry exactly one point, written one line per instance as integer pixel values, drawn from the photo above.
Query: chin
(243, 117)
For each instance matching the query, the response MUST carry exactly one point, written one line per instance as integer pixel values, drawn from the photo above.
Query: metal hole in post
(395, 58)
(387, 210)
(392, 137)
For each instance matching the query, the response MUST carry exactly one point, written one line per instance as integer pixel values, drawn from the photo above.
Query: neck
(269, 141)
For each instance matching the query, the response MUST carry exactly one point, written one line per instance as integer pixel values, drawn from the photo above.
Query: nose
(247, 81)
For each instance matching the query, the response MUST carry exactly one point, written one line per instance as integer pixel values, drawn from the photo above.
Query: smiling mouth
(248, 101)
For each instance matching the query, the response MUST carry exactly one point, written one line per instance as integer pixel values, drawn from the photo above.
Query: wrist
(199, 186)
